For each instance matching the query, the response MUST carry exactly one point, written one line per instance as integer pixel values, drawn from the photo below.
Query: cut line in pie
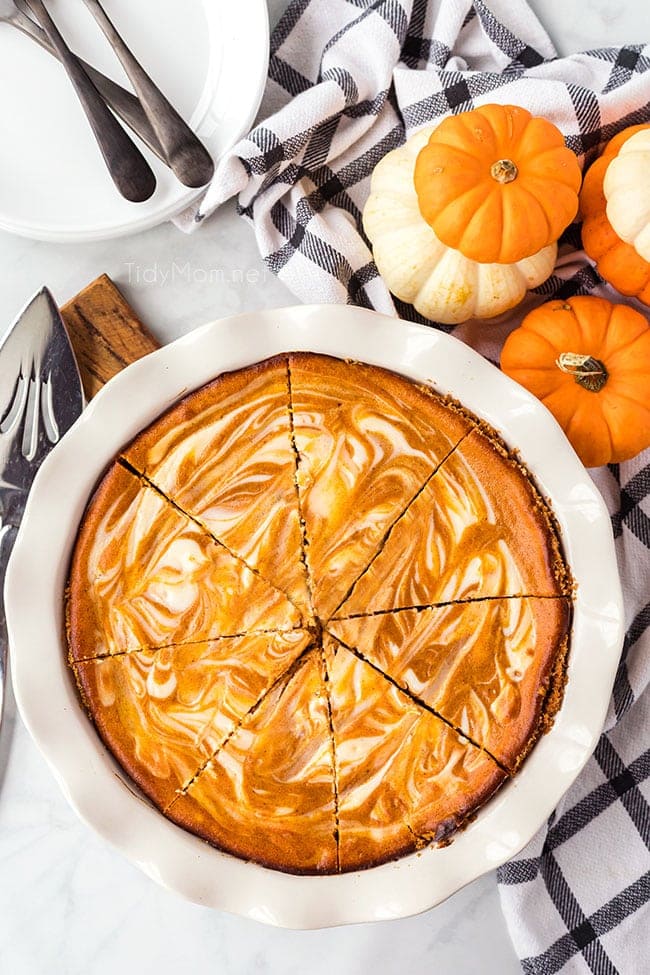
(418, 607)
(187, 643)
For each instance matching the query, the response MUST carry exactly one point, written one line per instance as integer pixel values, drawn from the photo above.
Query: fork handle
(123, 103)
(129, 169)
(186, 154)
(7, 538)
(126, 106)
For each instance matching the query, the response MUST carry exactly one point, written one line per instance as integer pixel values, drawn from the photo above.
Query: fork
(122, 102)
(186, 154)
(129, 170)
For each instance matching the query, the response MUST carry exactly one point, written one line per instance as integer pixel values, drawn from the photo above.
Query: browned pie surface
(144, 575)
(268, 795)
(404, 777)
(224, 455)
(300, 498)
(165, 712)
(477, 529)
(484, 666)
(367, 441)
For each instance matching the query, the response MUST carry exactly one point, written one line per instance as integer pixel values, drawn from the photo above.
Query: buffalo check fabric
(349, 80)
(577, 898)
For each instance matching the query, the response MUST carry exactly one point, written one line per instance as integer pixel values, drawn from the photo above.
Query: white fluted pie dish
(103, 795)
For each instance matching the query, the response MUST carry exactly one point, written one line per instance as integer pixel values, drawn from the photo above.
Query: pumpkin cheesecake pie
(318, 614)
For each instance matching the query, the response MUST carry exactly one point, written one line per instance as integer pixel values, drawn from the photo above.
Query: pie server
(41, 396)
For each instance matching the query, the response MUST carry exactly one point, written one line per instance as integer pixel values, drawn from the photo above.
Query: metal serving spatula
(41, 396)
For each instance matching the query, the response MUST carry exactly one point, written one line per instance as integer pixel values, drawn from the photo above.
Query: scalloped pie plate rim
(99, 790)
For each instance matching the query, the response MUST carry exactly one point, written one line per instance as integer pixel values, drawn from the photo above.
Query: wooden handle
(105, 332)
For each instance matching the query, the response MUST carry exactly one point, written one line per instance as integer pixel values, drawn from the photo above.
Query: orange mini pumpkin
(616, 262)
(588, 361)
(497, 183)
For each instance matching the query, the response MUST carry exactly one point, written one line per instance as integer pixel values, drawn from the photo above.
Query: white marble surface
(69, 905)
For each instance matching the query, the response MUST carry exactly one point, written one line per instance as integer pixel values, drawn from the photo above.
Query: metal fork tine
(32, 412)
(47, 407)
(14, 412)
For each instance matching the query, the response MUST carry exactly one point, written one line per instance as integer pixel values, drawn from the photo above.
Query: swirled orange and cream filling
(367, 440)
(224, 455)
(165, 712)
(268, 794)
(144, 575)
(485, 666)
(404, 777)
(300, 493)
(478, 528)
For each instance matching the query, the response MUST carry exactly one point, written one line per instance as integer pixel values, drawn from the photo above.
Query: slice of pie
(224, 455)
(165, 712)
(478, 528)
(268, 794)
(367, 441)
(404, 777)
(144, 575)
(493, 668)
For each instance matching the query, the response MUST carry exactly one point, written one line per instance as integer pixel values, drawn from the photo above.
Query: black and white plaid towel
(348, 81)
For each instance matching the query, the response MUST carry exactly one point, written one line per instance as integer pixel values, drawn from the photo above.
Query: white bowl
(100, 792)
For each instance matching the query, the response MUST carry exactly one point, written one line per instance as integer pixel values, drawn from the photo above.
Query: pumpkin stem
(588, 372)
(504, 171)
